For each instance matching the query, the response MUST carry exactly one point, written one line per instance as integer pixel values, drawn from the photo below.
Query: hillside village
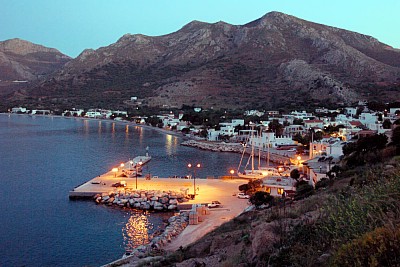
(313, 141)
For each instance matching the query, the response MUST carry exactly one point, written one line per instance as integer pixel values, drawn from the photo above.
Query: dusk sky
(74, 25)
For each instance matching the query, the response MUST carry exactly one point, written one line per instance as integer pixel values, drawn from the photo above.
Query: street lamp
(232, 172)
(198, 165)
(298, 160)
(136, 166)
(115, 170)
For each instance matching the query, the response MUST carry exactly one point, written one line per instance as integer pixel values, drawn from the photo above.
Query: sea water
(42, 158)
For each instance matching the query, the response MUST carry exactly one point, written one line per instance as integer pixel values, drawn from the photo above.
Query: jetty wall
(234, 148)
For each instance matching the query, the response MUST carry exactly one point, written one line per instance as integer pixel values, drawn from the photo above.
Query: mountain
(272, 62)
(23, 63)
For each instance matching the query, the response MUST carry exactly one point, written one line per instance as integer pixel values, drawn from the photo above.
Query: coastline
(217, 217)
(122, 122)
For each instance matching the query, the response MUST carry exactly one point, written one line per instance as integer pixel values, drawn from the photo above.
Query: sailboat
(256, 173)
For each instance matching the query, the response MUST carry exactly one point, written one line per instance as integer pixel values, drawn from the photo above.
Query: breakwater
(235, 148)
(143, 199)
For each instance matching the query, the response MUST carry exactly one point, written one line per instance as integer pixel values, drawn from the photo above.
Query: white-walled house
(74, 112)
(253, 112)
(227, 128)
(18, 110)
(328, 147)
(93, 114)
(313, 124)
(268, 139)
(294, 129)
(368, 118)
(350, 111)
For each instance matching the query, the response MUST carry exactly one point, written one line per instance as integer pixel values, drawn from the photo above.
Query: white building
(74, 112)
(18, 110)
(268, 139)
(253, 112)
(276, 186)
(350, 111)
(294, 129)
(313, 124)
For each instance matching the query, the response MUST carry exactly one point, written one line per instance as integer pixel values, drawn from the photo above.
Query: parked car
(214, 204)
(242, 195)
(119, 184)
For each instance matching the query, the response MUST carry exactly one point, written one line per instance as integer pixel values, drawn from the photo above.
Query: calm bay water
(42, 158)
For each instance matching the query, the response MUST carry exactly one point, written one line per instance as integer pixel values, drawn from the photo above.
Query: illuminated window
(280, 191)
(268, 190)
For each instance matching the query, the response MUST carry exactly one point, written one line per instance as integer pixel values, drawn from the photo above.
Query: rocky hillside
(23, 63)
(275, 61)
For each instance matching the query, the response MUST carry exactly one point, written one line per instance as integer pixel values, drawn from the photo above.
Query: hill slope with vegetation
(350, 219)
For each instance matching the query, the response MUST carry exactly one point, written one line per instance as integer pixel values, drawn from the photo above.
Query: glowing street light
(232, 172)
(122, 165)
(115, 170)
(198, 165)
(298, 160)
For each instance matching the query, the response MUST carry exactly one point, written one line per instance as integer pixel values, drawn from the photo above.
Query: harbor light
(198, 165)
(115, 170)
(232, 172)
(298, 160)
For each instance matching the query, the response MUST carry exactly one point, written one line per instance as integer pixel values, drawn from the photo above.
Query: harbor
(196, 190)
(190, 195)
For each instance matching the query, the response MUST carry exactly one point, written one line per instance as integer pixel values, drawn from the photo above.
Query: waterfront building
(269, 139)
(19, 110)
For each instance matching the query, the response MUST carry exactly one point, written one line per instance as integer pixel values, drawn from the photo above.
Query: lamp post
(115, 170)
(232, 172)
(198, 165)
(136, 166)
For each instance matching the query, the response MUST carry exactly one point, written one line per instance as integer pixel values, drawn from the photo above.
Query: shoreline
(122, 122)
(193, 232)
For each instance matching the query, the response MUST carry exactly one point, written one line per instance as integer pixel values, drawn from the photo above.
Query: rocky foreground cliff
(275, 61)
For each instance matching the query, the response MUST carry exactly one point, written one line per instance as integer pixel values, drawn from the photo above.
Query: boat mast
(268, 144)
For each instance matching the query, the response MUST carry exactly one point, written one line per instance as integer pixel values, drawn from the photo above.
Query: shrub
(323, 183)
(380, 247)
(260, 198)
(303, 190)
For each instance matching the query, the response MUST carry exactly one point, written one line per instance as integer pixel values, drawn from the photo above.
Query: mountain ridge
(220, 65)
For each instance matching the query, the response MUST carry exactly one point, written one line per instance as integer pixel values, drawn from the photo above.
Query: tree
(396, 136)
(386, 124)
(276, 127)
(295, 174)
(203, 133)
(297, 121)
(260, 198)
(303, 190)
(251, 187)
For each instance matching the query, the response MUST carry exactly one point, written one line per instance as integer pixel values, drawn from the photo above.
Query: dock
(104, 183)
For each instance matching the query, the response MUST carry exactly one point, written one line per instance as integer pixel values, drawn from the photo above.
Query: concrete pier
(103, 183)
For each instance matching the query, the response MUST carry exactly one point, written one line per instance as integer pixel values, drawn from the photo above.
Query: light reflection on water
(139, 230)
